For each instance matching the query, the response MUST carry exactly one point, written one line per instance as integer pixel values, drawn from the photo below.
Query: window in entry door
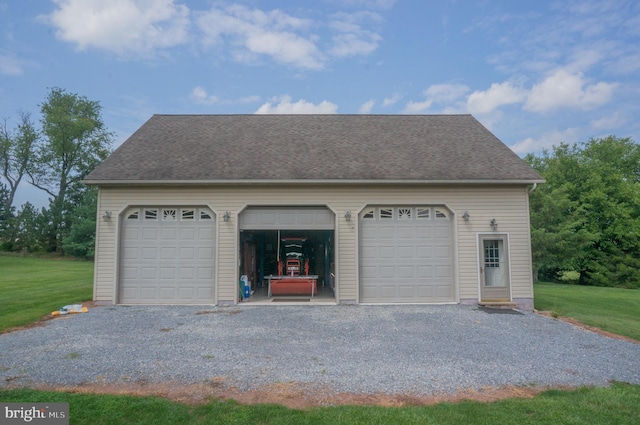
(492, 254)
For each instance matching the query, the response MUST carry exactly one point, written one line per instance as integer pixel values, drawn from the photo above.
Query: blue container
(247, 291)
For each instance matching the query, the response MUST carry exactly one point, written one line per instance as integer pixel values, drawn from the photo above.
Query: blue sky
(536, 73)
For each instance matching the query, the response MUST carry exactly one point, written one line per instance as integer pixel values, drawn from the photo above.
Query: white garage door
(167, 256)
(406, 255)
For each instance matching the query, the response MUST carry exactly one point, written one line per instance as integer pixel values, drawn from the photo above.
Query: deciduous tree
(17, 154)
(586, 218)
(74, 141)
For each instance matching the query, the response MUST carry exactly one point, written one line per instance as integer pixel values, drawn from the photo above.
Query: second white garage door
(406, 255)
(167, 256)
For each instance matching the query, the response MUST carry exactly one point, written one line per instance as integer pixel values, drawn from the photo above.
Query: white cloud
(565, 90)
(200, 96)
(352, 39)
(612, 121)
(484, 102)
(285, 48)
(547, 141)
(283, 105)
(585, 58)
(248, 99)
(354, 44)
(366, 107)
(253, 33)
(561, 89)
(388, 101)
(121, 26)
(627, 61)
(139, 28)
(417, 107)
(10, 65)
(368, 4)
(447, 95)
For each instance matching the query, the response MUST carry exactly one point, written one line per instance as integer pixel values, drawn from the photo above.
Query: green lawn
(611, 309)
(31, 287)
(615, 405)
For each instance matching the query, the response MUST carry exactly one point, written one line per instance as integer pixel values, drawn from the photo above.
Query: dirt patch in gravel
(292, 395)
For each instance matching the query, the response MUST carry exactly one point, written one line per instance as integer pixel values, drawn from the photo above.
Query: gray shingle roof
(220, 148)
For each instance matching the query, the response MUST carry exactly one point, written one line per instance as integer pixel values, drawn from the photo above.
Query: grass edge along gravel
(614, 310)
(617, 404)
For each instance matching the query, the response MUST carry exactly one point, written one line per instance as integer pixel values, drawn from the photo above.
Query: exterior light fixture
(226, 216)
(494, 224)
(465, 216)
(347, 216)
(107, 215)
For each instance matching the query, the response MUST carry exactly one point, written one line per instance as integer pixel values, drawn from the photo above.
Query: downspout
(534, 271)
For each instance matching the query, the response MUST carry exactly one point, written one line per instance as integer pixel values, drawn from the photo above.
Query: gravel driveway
(422, 350)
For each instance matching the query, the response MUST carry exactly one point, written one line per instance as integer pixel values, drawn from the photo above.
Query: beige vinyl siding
(510, 209)
(508, 204)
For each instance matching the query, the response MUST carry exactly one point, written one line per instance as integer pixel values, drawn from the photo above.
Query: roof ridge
(313, 115)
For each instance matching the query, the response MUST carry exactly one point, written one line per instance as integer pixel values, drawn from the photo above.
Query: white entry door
(494, 268)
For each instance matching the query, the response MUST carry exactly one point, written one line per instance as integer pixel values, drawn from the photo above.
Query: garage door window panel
(369, 214)
(404, 213)
(150, 214)
(386, 213)
(441, 214)
(423, 213)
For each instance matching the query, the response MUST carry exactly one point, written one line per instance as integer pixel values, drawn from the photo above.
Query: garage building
(356, 208)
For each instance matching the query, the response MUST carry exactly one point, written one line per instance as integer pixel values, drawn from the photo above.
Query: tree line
(585, 220)
(54, 157)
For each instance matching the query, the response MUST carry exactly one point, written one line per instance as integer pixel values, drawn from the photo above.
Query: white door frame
(480, 238)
